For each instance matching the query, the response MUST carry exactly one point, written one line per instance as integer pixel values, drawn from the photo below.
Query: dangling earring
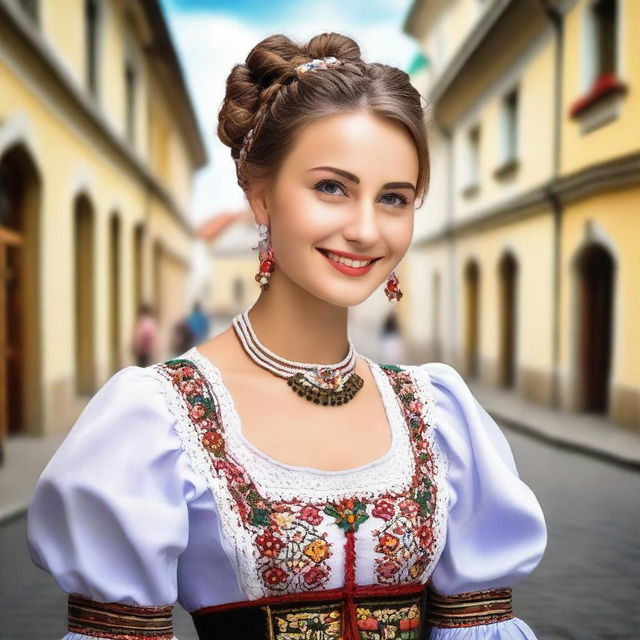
(265, 254)
(392, 289)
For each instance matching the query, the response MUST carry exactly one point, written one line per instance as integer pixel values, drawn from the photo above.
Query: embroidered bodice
(156, 495)
(288, 524)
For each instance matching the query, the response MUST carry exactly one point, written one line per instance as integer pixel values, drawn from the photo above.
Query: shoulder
(130, 389)
(447, 385)
(130, 411)
(441, 373)
(126, 434)
(461, 420)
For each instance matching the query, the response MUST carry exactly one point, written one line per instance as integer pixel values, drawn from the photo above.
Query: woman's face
(347, 185)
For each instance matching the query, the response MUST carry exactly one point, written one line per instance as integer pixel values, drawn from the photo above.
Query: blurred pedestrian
(391, 343)
(145, 336)
(182, 337)
(198, 324)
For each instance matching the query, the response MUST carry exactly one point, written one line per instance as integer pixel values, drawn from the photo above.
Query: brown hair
(269, 100)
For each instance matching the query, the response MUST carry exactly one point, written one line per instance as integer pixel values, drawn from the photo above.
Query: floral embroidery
(317, 622)
(405, 540)
(374, 620)
(349, 514)
(290, 545)
(290, 553)
(379, 621)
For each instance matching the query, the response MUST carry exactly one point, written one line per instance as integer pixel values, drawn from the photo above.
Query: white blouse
(127, 510)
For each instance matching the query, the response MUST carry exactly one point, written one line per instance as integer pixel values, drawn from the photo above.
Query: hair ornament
(247, 142)
(317, 63)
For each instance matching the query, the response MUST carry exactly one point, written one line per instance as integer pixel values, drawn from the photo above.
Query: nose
(362, 225)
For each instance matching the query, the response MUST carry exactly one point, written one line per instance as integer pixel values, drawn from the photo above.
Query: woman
(145, 336)
(377, 500)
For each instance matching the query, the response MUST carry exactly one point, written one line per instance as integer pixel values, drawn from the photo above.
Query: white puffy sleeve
(108, 517)
(496, 532)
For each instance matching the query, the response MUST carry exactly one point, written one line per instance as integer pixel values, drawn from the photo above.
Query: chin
(343, 299)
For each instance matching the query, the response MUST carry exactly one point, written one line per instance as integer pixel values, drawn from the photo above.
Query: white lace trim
(282, 482)
(440, 516)
(236, 539)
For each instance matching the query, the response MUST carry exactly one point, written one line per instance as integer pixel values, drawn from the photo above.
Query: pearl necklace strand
(326, 384)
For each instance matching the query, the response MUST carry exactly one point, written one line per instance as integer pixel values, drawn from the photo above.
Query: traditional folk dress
(155, 495)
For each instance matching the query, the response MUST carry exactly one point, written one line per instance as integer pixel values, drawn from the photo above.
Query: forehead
(365, 144)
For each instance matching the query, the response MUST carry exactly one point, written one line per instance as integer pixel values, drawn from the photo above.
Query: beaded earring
(392, 289)
(265, 254)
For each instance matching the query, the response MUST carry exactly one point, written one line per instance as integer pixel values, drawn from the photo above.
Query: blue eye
(401, 200)
(329, 183)
(333, 185)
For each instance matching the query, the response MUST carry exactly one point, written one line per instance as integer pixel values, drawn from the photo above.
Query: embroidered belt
(118, 621)
(387, 612)
(469, 609)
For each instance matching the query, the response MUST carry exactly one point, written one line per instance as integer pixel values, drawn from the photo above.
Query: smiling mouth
(347, 261)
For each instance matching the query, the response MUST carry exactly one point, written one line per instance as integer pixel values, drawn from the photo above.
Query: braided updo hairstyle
(267, 100)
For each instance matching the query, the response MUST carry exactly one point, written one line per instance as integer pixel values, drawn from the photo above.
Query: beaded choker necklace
(326, 384)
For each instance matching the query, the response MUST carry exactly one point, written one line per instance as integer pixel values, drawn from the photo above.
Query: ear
(257, 196)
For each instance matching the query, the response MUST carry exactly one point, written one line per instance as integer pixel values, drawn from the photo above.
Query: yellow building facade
(98, 145)
(526, 251)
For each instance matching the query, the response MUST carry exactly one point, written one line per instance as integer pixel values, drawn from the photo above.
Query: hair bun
(268, 98)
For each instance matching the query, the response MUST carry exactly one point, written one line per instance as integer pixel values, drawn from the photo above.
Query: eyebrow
(353, 178)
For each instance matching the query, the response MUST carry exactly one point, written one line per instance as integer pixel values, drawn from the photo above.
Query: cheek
(398, 231)
(302, 220)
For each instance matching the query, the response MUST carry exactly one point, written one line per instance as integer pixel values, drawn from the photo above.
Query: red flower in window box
(604, 85)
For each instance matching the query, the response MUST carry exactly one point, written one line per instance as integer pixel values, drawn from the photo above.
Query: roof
(212, 228)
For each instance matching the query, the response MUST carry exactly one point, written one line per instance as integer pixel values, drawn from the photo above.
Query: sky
(211, 36)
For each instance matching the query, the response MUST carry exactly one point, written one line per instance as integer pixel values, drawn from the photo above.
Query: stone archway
(20, 366)
(595, 279)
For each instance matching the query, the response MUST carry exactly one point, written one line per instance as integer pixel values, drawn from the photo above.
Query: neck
(300, 328)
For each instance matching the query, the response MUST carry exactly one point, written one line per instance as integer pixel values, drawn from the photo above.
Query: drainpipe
(556, 19)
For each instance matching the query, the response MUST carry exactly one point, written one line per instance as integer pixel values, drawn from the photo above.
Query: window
(604, 17)
(91, 17)
(508, 135)
(601, 88)
(473, 161)
(510, 125)
(130, 98)
(599, 42)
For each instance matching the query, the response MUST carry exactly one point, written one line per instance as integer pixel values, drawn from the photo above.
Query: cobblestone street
(585, 587)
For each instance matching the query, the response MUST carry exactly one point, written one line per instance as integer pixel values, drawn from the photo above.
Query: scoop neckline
(213, 374)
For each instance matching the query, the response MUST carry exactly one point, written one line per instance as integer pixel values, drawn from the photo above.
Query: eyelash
(403, 199)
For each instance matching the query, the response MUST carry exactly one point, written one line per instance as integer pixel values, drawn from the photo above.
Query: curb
(14, 510)
(565, 442)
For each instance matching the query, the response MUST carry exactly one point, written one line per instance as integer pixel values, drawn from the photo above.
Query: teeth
(348, 261)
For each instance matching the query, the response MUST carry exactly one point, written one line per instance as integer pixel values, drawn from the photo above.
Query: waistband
(117, 620)
(403, 611)
(394, 612)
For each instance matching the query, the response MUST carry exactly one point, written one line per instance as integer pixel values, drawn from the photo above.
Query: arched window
(84, 301)
(115, 284)
(508, 278)
(472, 318)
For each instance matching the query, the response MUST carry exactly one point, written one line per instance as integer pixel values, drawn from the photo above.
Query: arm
(496, 532)
(108, 517)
